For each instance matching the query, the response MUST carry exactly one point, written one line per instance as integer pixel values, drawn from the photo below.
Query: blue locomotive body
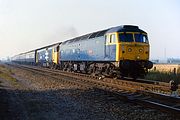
(85, 50)
(44, 56)
(94, 49)
(41, 56)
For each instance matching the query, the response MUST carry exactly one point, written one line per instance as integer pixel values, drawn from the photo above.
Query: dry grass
(166, 68)
(162, 76)
(164, 72)
(6, 74)
(178, 70)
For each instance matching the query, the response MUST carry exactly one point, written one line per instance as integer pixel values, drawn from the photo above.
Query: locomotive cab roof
(122, 28)
(125, 28)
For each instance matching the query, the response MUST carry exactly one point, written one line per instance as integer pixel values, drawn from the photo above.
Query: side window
(112, 38)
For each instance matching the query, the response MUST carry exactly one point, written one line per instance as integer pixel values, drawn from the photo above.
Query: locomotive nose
(135, 52)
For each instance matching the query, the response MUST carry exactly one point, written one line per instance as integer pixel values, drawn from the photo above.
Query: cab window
(126, 37)
(141, 38)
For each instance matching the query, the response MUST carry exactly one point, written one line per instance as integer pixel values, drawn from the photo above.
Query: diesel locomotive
(121, 51)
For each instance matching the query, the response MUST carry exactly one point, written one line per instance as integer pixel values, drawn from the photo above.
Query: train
(121, 51)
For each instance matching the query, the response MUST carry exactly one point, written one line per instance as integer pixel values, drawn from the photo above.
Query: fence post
(154, 68)
(174, 71)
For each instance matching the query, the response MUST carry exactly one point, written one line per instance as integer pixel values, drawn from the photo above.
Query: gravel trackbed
(26, 95)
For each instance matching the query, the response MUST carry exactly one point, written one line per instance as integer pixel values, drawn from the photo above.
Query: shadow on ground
(69, 104)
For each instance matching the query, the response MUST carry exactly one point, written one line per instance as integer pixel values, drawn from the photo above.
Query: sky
(29, 24)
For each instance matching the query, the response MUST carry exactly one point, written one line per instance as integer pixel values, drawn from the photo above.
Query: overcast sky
(30, 24)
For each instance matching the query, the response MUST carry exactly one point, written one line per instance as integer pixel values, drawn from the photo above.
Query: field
(172, 68)
(164, 72)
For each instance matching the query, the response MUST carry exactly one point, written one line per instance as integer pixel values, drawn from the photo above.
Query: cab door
(55, 54)
(110, 47)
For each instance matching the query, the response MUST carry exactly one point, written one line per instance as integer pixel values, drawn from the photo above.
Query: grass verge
(6, 74)
(163, 76)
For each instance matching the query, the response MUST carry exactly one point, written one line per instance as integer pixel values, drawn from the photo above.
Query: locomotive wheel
(115, 76)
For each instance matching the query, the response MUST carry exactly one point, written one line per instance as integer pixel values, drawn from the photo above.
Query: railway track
(150, 94)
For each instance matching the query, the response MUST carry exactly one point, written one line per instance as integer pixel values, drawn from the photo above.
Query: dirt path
(29, 96)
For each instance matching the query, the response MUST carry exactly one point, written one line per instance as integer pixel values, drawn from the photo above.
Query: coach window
(112, 38)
